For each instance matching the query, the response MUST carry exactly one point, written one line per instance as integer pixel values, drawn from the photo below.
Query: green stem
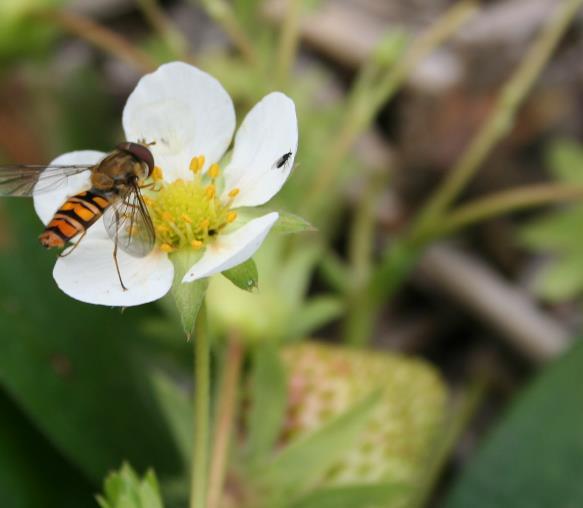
(288, 43)
(202, 412)
(502, 118)
(505, 202)
(361, 113)
(359, 322)
(226, 412)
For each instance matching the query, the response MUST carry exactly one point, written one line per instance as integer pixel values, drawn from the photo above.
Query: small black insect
(282, 161)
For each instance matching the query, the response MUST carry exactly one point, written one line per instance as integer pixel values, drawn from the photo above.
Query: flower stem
(502, 118)
(288, 42)
(202, 412)
(102, 38)
(508, 201)
(225, 418)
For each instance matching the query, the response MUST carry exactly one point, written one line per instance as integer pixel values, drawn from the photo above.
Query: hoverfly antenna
(140, 152)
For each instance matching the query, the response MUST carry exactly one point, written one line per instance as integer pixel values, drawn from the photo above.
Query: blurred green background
(465, 323)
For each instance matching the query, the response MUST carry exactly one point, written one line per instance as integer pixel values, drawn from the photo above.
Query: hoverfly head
(141, 153)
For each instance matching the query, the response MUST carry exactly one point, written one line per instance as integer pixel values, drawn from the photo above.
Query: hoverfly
(114, 194)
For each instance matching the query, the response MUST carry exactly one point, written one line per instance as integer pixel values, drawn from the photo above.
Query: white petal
(185, 111)
(232, 249)
(269, 131)
(88, 274)
(47, 203)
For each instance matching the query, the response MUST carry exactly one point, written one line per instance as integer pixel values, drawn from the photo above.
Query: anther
(194, 165)
(157, 174)
(204, 224)
(186, 218)
(196, 244)
(231, 216)
(201, 160)
(210, 191)
(233, 193)
(166, 247)
(214, 170)
(167, 216)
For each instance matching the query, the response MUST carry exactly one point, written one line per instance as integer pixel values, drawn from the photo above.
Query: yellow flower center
(188, 214)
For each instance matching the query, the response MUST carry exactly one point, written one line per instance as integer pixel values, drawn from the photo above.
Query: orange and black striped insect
(114, 194)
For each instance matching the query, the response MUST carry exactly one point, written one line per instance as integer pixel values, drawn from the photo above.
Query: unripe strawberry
(325, 381)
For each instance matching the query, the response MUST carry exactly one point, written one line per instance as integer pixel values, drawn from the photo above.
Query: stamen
(194, 165)
(214, 170)
(210, 191)
(233, 193)
(187, 213)
(157, 174)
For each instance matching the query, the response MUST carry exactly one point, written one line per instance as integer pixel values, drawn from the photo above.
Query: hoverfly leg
(115, 257)
(68, 251)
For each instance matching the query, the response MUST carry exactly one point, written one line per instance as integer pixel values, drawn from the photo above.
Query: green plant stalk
(201, 413)
(102, 38)
(460, 420)
(501, 120)
(288, 42)
(165, 28)
(362, 112)
(358, 323)
(508, 201)
(222, 13)
(226, 412)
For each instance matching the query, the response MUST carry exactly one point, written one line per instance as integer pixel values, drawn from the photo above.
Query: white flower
(191, 119)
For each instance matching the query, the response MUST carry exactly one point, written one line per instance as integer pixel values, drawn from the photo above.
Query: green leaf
(189, 296)
(314, 314)
(304, 461)
(78, 371)
(353, 496)
(269, 399)
(32, 473)
(125, 489)
(244, 276)
(533, 459)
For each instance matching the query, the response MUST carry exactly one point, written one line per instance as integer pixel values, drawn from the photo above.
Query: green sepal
(244, 276)
(188, 296)
(125, 489)
(287, 223)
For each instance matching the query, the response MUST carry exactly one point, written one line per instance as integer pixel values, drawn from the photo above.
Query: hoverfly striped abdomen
(73, 218)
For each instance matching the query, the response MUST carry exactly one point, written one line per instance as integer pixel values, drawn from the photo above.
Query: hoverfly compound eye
(140, 152)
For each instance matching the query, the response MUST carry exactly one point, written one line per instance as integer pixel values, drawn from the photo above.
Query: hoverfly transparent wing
(128, 223)
(24, 180)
